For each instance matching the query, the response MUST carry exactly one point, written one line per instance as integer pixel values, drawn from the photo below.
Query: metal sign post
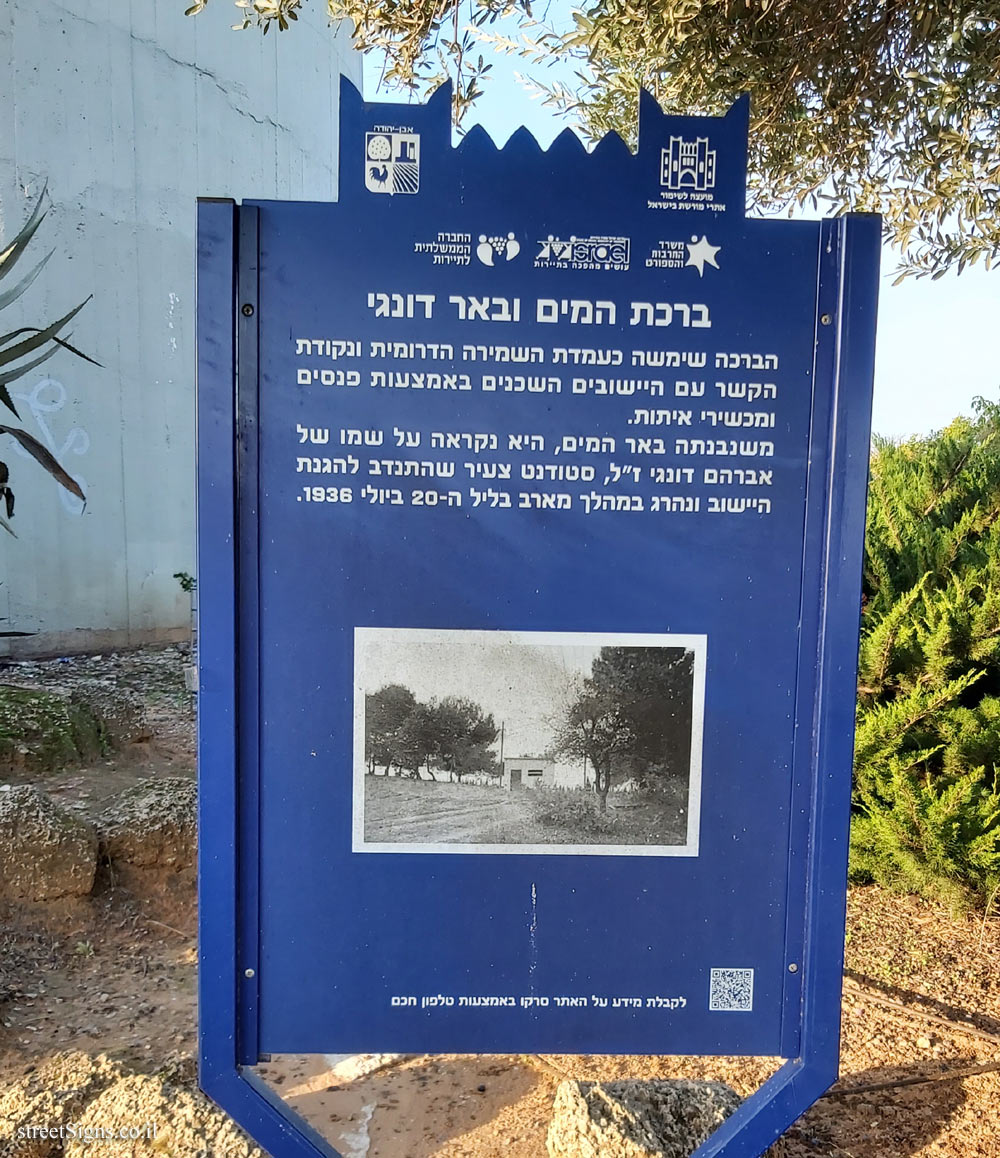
(557, 447)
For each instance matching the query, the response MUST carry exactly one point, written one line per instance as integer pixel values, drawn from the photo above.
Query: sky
(938, 343)
(525, 687)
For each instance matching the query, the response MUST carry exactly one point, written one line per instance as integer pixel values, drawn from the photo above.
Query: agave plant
(16, 346)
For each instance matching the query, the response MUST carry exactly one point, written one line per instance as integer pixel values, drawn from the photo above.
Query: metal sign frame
(229, 666)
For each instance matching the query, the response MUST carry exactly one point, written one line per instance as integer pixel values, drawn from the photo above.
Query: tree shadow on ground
(875, 1123)
(910, 997)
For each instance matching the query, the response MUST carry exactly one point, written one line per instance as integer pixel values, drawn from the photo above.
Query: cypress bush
(926, 791)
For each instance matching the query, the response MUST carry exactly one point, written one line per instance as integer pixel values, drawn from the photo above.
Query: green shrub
(926, 799)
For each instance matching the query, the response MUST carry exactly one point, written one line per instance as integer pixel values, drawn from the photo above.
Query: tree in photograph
(632, 714)
(594, 729)
(864, 106)
(463, 736)
(415, 742)
(454, 734)
(385, 713)
(652, 688)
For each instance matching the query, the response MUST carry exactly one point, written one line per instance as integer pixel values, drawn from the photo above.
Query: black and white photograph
(517, 742)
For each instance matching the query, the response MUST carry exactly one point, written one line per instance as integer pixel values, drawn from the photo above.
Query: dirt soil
(157, 676)
(115, 973)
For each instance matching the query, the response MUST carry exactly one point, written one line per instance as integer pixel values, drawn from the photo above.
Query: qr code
(731, 991)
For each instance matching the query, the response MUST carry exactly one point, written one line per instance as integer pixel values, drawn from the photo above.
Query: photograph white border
(698, 644)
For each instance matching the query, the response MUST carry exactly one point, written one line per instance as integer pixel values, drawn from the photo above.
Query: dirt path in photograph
(422, 812)
(402, 811)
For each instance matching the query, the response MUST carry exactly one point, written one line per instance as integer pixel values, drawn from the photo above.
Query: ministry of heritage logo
(392, 161)
(688, 165)
(584, 253)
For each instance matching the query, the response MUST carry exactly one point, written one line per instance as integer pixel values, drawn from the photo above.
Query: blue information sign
(530, 570)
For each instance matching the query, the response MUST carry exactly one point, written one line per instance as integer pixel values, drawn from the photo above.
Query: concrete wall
(130, 111)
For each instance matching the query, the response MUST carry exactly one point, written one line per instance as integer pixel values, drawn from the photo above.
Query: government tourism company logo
(498, 248)
(392, 161)
(584, 253)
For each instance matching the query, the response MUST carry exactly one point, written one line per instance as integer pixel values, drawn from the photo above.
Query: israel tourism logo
(688, 165)
(584, 253)
(392, 161)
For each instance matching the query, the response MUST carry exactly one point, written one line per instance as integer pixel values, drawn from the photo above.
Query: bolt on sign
(532, 490)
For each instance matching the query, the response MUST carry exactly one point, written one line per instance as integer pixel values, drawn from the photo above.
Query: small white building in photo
(540, 772)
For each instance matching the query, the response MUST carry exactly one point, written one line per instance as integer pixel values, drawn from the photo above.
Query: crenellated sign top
(693, 165)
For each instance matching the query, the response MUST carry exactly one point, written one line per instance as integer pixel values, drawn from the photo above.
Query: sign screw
(793, 968)
(826, 319)
(248, 973)
(248, 310)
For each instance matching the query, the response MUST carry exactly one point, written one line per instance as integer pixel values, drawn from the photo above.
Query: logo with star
(700, 254)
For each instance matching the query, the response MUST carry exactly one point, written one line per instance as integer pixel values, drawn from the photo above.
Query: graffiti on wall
(44, 403)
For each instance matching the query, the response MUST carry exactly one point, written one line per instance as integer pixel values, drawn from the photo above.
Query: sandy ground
(117, 973)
